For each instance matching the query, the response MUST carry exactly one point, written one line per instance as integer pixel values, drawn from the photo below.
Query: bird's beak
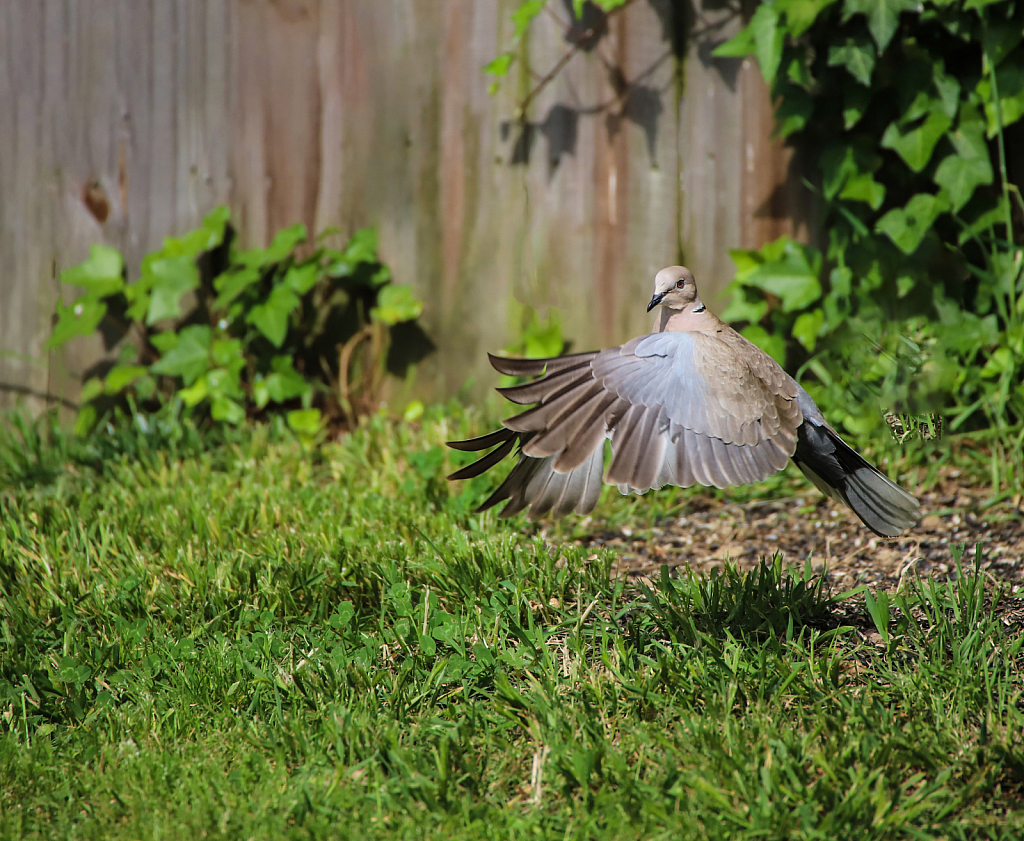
(655, 301)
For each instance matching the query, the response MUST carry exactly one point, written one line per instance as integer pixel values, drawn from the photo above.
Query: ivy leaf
(121, 376)
(916, 144)
(740, 45)
(771, 343)
(285, 382)
(524, 15)
(800, 14)
(999, 40)
(807, 328)
(78, 319)
(271, 317)
(396, 304)
(856, 99)
(171, 277)
(231, 284)
(742, 307)
(862, 187)
(857, 55)
(883, 17)
(769, 38)
(305, 422)
(1010, 81)
(208, 235)
(302, 278)
(499, 66)
(227, 353)
(906, 226)
(793, 111)
(101, 273)
(361, 248)
(283, 244)
(227, 410)
(793, 277)
(189, 358)
(962, 176)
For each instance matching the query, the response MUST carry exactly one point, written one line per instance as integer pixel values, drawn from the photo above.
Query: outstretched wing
(679, 408)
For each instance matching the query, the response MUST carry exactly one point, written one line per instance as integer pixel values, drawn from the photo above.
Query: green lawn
(240, 638)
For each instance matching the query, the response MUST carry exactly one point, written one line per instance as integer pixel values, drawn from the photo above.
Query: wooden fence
(124, 121)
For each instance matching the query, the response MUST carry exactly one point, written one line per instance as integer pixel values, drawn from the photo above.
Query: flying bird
(694, 402)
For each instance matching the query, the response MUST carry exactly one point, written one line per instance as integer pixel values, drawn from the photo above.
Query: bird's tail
(840, 472)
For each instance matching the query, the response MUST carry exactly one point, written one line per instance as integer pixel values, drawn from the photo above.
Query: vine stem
(1001, 146)
(564, 60)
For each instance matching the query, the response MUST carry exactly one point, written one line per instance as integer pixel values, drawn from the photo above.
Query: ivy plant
(235, 333)
(902, 114)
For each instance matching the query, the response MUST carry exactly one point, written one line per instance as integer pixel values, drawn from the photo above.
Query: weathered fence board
(127, 120)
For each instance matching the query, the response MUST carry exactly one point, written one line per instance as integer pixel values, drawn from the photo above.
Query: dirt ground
(834, 539)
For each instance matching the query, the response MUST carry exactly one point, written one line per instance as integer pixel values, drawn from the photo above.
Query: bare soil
(833, 538)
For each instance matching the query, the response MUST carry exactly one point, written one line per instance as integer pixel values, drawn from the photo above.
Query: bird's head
(675, 288)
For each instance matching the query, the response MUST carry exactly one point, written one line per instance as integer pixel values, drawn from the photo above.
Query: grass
(239, 637)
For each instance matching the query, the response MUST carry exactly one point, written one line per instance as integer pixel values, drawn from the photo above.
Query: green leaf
(233, 283)
(807, 328)
(1010, 81)
(92, 389)
(302, 278)
(86, 420)
(227, 411)
(164, 341)
(271, 318)
(771, 343)
(883, 17)
(906, 226)
(221, 382)
(362, 248)
(856, 99)
(172, 278)
(842, 161)
(499, 66)
(793, 111)
(916, 144)
(304, 421)
(739, 46)
(742, 308)
(195, 393)
(189, 358)
(120, 376)
(524, 15)
(78, 319)
(285, 383)
(1001, 360)
(793, 277)
(960, 177)
(769, 38)
(227, 353)
(101, 273)
(283, 244)
(862, 187)
(857, 55)
(800, 14)
(999, 40)
(413, 411)
(396, 304)
(208, 235)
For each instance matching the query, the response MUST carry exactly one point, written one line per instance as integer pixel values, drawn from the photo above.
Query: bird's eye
(680, 283)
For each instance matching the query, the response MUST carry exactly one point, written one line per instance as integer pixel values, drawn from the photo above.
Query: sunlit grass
(239, 637)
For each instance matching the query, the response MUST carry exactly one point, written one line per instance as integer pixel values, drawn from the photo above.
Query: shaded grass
(239, 637)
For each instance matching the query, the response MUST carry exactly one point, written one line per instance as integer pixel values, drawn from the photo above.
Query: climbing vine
(907, 120)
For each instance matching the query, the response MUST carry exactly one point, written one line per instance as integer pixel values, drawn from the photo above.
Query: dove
(693, 402)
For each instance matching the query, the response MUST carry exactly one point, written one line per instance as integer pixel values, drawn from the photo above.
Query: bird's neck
(694, 319)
